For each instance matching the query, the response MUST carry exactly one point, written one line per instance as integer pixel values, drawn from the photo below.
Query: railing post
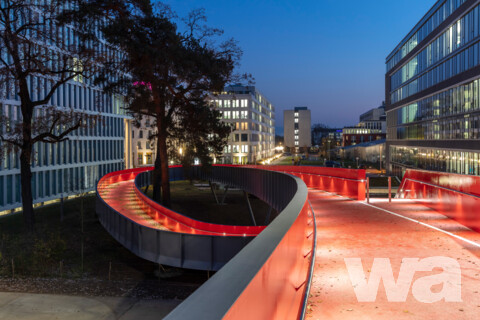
(389, 189)
(368, 189)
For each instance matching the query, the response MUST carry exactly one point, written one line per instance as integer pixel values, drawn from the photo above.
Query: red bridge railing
(454, 195)
(346, 182)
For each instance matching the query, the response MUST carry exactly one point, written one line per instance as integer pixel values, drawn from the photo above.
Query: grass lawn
(56, 247)
(59, 249)
(200, 204)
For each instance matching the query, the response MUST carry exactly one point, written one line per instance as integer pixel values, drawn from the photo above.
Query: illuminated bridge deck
(121, 194)
(352, 229)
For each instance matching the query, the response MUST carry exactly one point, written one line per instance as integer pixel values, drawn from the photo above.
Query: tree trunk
(161, 183)
(157, 175)
(163, 155)
(26, 181)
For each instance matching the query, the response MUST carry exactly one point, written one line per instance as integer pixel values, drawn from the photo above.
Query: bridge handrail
(268, 279)
(349, 183)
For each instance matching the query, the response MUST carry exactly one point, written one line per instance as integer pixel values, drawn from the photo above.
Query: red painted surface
(346, 182)
(278, 289)
(456, 196)
(350, 229)
(134, 204)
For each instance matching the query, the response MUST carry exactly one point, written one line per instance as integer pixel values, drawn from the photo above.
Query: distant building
(319, 132)
(298, 129)
(372, 127)
(253, 119)
(143, 146)
(370, 152)
(374, 114)
(432, 86)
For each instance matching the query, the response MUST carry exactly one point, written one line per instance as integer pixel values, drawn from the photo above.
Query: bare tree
(38, 56)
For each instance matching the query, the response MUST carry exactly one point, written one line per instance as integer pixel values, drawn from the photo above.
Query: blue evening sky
(328, 55)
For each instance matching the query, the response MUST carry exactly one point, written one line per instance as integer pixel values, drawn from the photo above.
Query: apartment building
(252, 118)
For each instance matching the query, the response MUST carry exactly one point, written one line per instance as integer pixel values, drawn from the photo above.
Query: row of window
(147, 135)
(148, 145)
(434, 159)
(254, 127)
(458, 35)
(464, 60)
(236, 149)
(69, 95)
(440, 15)
(235, 115)
(144, 159)
(245, 115)
(55, 183)
(68, 152)
(104, 126)
(243, 103)
(464, 128)
(361, 131)
(455, 101)
(234, 103)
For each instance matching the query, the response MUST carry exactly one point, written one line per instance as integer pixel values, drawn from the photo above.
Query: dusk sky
(328, 55)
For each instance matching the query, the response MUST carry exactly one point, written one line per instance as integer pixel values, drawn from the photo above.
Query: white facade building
(143, 147)
(74, 166)
(253, 119)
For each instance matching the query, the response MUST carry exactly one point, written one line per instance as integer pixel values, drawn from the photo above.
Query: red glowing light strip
(182, 223)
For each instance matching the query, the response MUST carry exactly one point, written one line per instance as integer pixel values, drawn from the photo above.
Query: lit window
(296, 120)
(78, 69)
(296, 114)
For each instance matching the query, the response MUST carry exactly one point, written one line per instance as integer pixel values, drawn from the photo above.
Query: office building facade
(297, 124)
(252, 118)
(433, 92)
(73, 166)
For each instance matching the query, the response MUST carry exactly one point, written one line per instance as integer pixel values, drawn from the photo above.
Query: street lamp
(357, 161)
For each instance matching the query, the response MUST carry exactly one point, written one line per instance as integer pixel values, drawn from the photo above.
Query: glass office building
(74, 166)
(433, 92)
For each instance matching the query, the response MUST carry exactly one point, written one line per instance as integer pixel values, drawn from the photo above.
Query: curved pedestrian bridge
(320, 257)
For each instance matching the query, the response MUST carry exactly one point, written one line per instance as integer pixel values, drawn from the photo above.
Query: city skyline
(284, 48)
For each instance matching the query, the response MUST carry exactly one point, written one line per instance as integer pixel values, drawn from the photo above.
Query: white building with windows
(297, 126)
(143, 146)
(73, 166)
(253, 124)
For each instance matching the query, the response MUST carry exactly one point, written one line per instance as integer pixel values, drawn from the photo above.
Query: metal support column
(250, 208)
(224, 195)
(389, 189)
(368, 190)
(213, 191)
